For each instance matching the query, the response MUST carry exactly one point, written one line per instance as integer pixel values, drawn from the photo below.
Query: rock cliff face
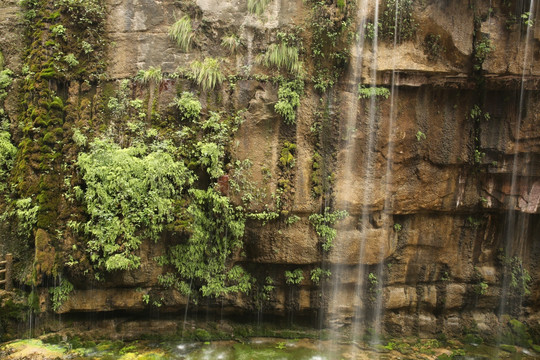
(440, 175)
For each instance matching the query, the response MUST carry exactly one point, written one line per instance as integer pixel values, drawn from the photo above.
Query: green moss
(508, 348)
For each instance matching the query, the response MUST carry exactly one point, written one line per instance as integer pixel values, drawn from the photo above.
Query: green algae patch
(30, 349)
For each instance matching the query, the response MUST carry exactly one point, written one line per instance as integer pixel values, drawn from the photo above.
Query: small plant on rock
(231, 42)
(207, 73)
(182, 33)
(294, 277)
(257, 7)
(189, 106)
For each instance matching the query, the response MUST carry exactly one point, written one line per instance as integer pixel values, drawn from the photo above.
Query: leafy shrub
(433, 47)
(317, 274)
(7, 155)
(288, 100)
(58, 30)
(211, 157)
(60, 294)
(182, 33)
(71, 60)
(482, 49)
(202, 263)
(322, 224)
(78, 137)
(372, 91)
(406, 26)
(189, 106)
(294, 277)
(282, 56)
(83, 12)
(129, 196)
(5, 82)
(207, 73)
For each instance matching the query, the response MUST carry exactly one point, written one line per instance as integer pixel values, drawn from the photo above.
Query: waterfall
(334, 307)
(360, 311)
(388, 203)
(515, 231)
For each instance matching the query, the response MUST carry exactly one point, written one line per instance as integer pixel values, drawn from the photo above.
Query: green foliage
(317, 274)
(207, 73)
(317, 175)
(433, 47)
(129, 196)
(182, 33)
(478, 156)
(287, 154)
(333, 34)
(518, 275)
(79, 138)
(372, 91)
(481, 288)
(60, 294)
(189, 106)
(477, 114)
(6, 80)
(231, 42)
(289, 99)
(527, 19)
(264, 216)
(406, 26)
(151, 76)
(373, 287)
(24, 215)
(71, 60)
(292, 219)
(211, 157)
(87, 47)
(7, 155)
(323, 225)
(397, 227)
(482, 48)
(83, 12)
(420, 135)
(58, 30)
(282, 56)
(203, 262)
(294, 277)
(257, 7)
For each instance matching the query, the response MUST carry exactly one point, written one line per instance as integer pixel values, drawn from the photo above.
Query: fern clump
(282, 56)
(322, 223)
(151, 76)
(203, 263)
(372, 91)
(257, 7)
(288, 100)
(189, 106)
(207, 73)
(7, 155)
(129, 196)
(182, 33)
(231, 42)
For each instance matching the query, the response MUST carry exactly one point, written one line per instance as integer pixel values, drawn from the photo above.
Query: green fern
(257, 7)
(182, 33)
(231, 42)
(152, 75)
(282, 56)
(207, 73)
